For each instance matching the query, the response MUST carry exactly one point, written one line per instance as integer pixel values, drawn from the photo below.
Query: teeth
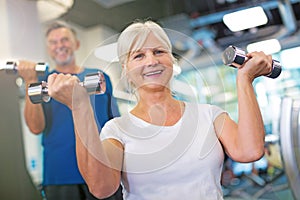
(61, 50)
(153, 73)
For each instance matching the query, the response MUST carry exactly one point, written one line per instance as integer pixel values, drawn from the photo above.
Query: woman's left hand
(258, 64)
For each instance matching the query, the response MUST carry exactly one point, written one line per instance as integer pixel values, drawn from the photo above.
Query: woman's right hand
(66, 89)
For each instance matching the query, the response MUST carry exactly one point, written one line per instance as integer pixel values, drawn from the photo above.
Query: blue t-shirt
(60, 164)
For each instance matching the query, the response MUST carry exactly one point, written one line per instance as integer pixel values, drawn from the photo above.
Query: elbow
(103, 189)
(35, 128)
(249, 151)
(35, 131)
(102, 192)
(254, 156)
(249, 156)
(257, 152)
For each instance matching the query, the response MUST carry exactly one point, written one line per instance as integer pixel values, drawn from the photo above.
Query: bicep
(226, 130)
(115, 152)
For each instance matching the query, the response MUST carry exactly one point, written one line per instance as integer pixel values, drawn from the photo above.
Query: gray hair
(58, 25)
(134, 36)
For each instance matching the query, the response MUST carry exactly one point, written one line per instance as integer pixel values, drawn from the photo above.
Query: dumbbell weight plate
(233, 55)
(94, 83)
(38, 92)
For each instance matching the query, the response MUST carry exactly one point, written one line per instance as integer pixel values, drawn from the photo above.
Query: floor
(262, 187)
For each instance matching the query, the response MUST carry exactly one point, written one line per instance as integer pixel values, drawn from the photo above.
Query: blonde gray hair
(57, 25)
(134, 36)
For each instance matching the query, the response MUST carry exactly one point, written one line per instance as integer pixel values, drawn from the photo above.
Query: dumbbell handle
(233, 56)
(94, 84)
(12, 67)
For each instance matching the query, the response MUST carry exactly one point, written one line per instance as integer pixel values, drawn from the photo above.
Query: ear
(77, 44)
(124, 66)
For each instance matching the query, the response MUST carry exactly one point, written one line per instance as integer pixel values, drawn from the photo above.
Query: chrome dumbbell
(94, 84)
(12, 67)
(233, 56)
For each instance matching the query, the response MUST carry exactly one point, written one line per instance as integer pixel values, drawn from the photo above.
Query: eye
(65, 39)
(52, 43)
(138, 56)
(159, 51)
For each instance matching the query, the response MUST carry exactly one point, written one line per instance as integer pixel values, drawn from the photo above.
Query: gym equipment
(290, 141)
(16, 181)
(12, 67)
(234, 55)
(94, 84)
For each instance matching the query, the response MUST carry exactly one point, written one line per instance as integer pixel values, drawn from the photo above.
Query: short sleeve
(216, 111)
(111, 131)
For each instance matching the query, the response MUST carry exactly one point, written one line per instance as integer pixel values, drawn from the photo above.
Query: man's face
(61, 44)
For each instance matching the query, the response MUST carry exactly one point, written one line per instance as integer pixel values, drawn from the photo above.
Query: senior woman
(163, 148)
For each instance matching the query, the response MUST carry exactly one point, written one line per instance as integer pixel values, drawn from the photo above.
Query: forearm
(250, 137)
(101, 175)
(34, 116)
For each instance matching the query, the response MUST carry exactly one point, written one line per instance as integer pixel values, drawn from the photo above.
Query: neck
(155, 98)
(159, 109)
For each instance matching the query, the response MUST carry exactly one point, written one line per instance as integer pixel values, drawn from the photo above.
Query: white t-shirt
(183, 161)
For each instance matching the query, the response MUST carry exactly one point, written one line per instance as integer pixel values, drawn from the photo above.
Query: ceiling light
(289, 59)
(267, 46)
(52, 9)
(245, 19)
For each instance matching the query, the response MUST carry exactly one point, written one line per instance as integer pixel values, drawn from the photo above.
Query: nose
(55, 45)
(60, 44)
(151, 59)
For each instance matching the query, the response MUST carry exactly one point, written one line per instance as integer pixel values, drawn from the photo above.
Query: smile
(153, 73)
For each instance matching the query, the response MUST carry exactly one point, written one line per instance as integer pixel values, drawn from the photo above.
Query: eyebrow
(141, 49)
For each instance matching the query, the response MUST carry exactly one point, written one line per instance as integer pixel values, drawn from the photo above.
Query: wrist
(80, 102)
(244, 78)
(30, 81)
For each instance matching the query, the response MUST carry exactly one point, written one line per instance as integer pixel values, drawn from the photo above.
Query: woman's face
(150, 67)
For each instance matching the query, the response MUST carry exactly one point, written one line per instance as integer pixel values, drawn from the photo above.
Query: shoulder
(113, 129)
(201, 106)
(117, 122)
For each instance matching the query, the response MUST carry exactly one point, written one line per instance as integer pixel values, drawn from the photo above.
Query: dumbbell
(94, 84)
(234, 55)
(12, 67)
